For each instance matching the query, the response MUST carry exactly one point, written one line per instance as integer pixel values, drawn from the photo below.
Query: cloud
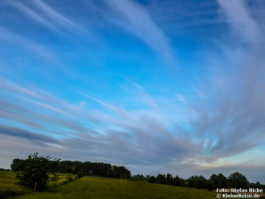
(57, 17)
(18, 132)
(230, 115)
(33, 15)
(132, 138)
(119, 136)
(19, 147)
(23, 105)
(238, 16)
(143, 97)
(35, 95)
(49, 17)
(39, 50)
(120, 111)
(136, 19)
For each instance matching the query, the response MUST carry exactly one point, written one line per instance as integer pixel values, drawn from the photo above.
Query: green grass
(7, 180)
(62, 178)
(99, 188)
(107, 188)
(8, 185)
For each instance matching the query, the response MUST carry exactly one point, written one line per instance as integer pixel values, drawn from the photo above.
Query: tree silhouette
(152, 179)
(237, 180)
(217, 181)
(34, 174)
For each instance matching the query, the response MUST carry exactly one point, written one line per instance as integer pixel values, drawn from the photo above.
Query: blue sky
(158, 86)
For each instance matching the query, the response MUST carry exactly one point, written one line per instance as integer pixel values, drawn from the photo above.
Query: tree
(120, 172)
(169, 179)
(17, 165)
(190, 181)
(217, 181)
(222, 181)
(237, 180)
(152, 179)
(258, 185)
(161, 179)
(35, 172)
(177, 181)
(200, 182)
(197, 182)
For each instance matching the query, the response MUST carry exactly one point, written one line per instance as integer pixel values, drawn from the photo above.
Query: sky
(155, 85)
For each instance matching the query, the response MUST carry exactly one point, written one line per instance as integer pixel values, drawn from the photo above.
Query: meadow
(99, 188)
(8, 185)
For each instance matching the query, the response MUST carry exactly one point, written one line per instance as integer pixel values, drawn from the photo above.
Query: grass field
(8, 184)
(100, 188)
(107, 188)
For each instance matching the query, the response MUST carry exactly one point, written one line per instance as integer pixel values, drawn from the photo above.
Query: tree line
(234, 180)
(81, 168)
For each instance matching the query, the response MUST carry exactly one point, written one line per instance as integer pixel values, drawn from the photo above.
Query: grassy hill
(7, 184)
(107, 188)
(99, 188)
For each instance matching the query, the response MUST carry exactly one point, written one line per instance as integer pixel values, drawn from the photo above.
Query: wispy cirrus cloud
(241, 21)
(56, 21)
(32, 14)
(231, 113)
(39, 49)
(40, 98)
(54, 16)
(36, 103)
(136, 19)
(122, 133)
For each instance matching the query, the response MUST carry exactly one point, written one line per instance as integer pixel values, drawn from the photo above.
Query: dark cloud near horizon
(22, 133)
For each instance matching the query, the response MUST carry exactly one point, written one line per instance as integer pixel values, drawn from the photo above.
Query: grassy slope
(7, 181)
(8, 186)
(99, 188)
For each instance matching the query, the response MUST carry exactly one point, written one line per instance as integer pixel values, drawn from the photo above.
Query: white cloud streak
(39, 50)
(135, 18)
(33, 15)
(237, 15)
(230, 115)
(57, 17)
